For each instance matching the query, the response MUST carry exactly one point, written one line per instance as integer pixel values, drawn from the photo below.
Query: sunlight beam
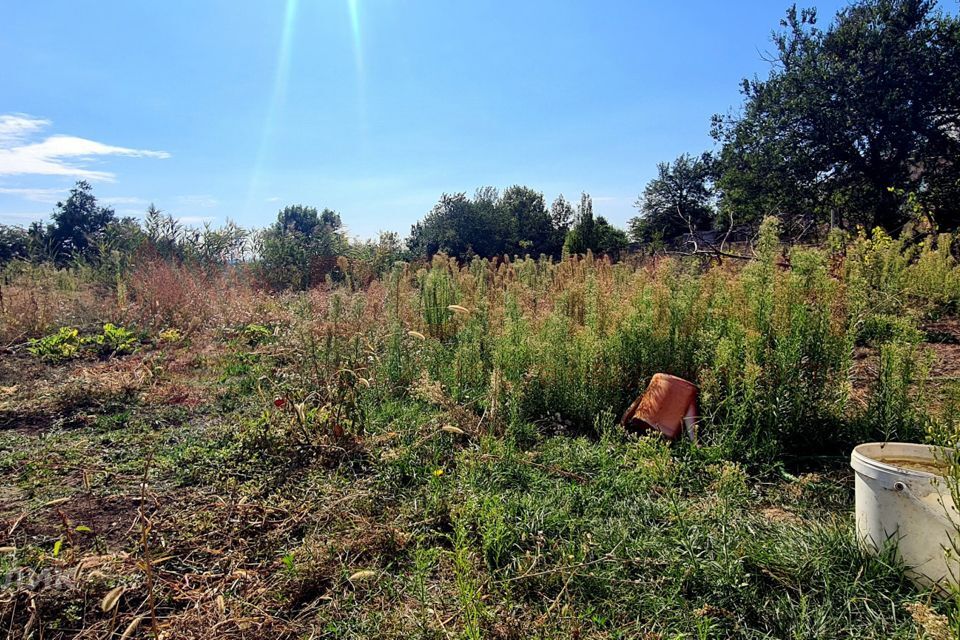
(281, 77)
(354, 6)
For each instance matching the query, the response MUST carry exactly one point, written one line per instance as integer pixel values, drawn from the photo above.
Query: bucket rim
(861, 461)
(674, 378)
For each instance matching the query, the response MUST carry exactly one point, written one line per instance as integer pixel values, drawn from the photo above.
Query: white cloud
(197, 202)
(15, 127)
(194, 219)
(119, 200)
(57, 155)
(47, 196)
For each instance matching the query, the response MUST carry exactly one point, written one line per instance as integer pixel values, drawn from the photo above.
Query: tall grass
(37, 299)
(523, 342)
(770, 343)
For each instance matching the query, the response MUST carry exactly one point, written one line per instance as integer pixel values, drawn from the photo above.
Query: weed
(114, 341)
(56, 347)
(170, 335)
(67, 343)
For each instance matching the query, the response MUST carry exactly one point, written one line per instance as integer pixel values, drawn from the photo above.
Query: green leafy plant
(57, 347)
(170, 335)
(113, 341)
(254, 334)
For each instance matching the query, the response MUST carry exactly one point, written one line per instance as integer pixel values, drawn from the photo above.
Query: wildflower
(438, 472)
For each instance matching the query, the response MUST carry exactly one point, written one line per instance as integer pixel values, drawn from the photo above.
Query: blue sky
(217, 109)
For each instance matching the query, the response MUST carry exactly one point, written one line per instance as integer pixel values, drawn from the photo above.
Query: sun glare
(277, 95)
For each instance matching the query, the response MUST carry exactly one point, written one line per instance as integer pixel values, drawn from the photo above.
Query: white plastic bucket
(898, 501)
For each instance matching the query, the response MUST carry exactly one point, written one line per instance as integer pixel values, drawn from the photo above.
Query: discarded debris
(668, 405)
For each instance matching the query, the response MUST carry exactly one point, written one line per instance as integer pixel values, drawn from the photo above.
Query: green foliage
(468, 589)
(170, 335)
(898, 277)
(114, 341)
(78, 224)
(649, 516)
(438, 294)
(894, 410)
(301, 248)
(56, 347)
(879, 328)
(379, 255)
(594, 235)
(679, 200)
(771, 345)
(849, 121)
(775, 382)
(254, 334)
(167, 238)
(67, 343)
(450, 435)
(490, 224)
(86, 235)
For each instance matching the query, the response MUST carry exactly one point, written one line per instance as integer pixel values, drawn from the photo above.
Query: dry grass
(163, 295)
(37, 300)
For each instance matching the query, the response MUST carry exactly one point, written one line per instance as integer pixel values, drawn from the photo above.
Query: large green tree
(527, 223)
(300, 249)
(561, 216)
(78, 225)
(677, 201)
(850, 120)
(456, 226)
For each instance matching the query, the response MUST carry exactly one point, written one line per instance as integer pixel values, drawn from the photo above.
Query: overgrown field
(436, 454)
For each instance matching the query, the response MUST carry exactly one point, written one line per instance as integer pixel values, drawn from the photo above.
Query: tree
(454, 226)
(299, 250)
(850, 120)
(596, 235)
(608, 240)
(526, 226)
(677, 201)
(14, 244)
(561, 217)
(78, 224)
(580, 238)
(515, 222)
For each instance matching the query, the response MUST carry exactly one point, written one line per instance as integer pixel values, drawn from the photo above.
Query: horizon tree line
(857, 124)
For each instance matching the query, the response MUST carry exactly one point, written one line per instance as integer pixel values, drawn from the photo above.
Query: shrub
(879, 328)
